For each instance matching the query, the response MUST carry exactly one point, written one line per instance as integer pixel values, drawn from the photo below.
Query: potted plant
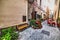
(36, 24)
(39, 17)
(33, 23)
(58, 22)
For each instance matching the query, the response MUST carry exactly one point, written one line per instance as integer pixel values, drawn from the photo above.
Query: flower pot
(39, 24)
(49, 21)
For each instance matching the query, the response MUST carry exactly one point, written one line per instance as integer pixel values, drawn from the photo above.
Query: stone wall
(11, 12)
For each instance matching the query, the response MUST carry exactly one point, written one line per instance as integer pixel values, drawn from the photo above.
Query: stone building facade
(12, 12)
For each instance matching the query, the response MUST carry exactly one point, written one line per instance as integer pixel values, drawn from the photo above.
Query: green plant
(40, 17)
(14, 36)
(58, 20)
(9, 34)
(33, 23)
(6, 37)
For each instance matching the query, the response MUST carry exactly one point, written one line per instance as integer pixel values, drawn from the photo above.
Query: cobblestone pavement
(46, 33)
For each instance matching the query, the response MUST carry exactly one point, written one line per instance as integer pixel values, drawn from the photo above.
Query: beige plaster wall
(56, 8)
(11, 12)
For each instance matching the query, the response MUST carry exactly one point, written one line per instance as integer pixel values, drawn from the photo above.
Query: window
(24, 18)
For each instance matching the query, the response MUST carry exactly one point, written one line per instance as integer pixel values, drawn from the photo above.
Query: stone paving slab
(36, 34)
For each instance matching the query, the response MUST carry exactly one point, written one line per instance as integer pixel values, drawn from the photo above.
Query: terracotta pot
(49, 21)
(39, 24)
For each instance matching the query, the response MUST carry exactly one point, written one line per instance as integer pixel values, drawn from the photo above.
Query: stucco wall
(11, 12)
(56, 8)
(59, 9)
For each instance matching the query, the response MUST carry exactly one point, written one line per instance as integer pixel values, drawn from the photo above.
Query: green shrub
(9, 34)
(33, 23)
(58, 19)
(6, 37)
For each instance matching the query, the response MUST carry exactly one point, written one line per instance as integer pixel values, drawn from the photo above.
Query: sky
(49, 4)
